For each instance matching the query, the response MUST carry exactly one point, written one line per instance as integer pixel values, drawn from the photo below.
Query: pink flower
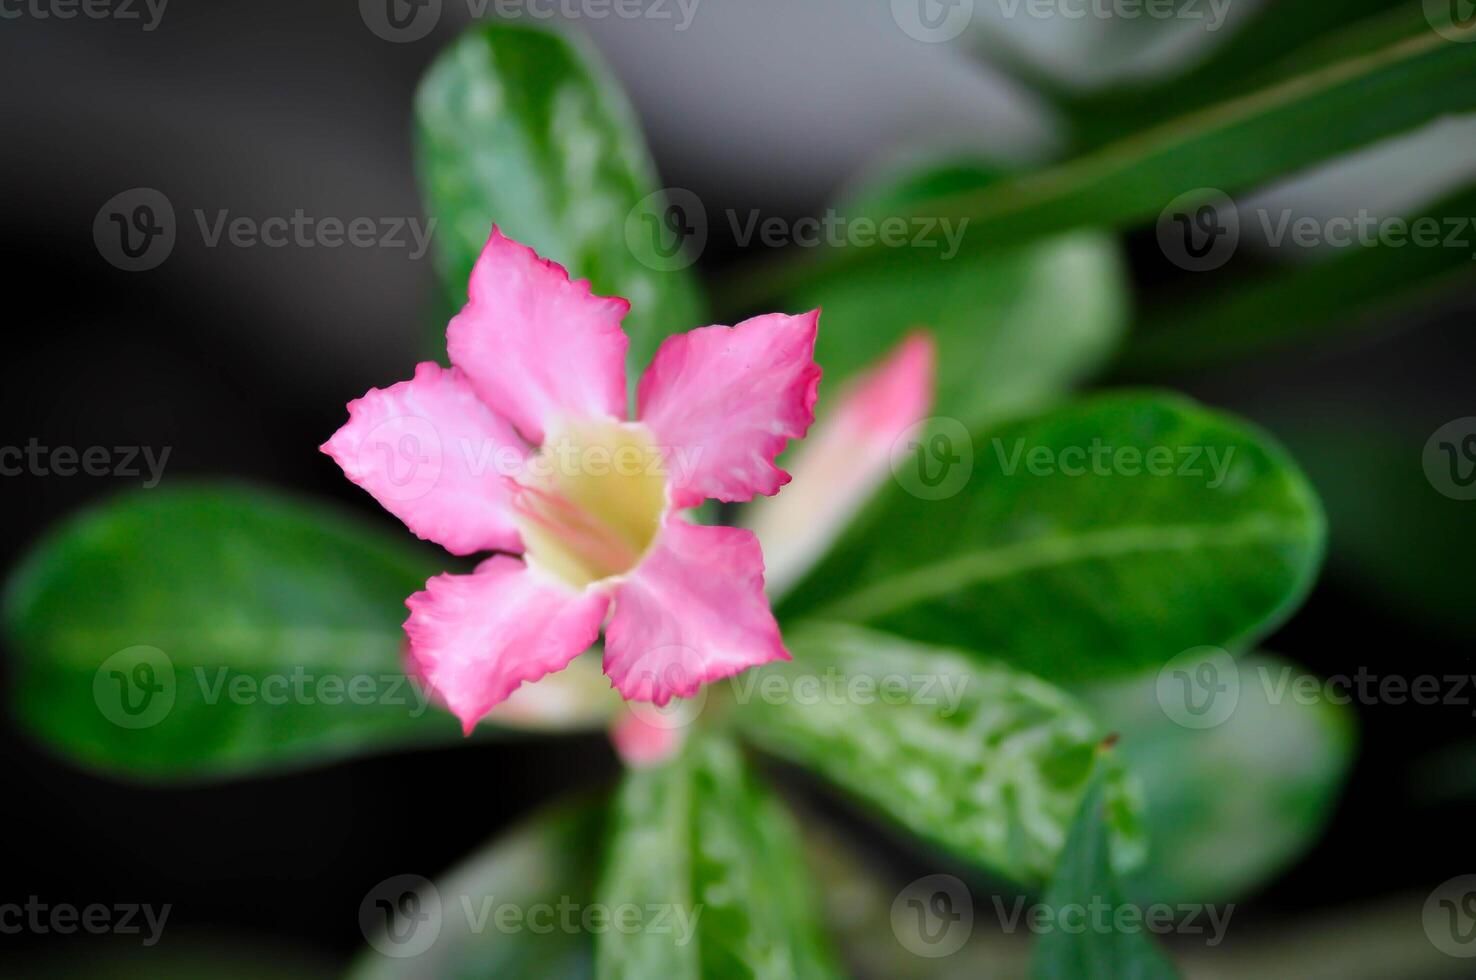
(523, 447)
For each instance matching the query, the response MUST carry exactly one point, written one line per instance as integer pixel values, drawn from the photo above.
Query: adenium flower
(584, 507)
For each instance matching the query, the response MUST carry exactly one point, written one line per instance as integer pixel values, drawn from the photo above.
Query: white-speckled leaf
(984, 761)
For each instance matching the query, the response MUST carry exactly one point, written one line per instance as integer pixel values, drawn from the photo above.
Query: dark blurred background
(241, 360)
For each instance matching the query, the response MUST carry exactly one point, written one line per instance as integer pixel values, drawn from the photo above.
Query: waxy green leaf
(1097, 539)
(214, 629)
(1085, 880)
(986, 762)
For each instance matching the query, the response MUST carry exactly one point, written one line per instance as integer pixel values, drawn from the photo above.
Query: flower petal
(434, 456)
(474, 638)
(641, 743)
(539, 349)
(723, 401)
(843, 460)
(693, 611)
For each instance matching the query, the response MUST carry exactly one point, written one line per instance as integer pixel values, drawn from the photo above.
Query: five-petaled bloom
(589, 500)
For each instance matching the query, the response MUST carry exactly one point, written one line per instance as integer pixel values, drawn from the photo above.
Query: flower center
(590, 502)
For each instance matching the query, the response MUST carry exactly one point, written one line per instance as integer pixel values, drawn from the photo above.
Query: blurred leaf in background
(1227, 807)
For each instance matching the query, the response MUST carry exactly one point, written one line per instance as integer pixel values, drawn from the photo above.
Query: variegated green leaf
(985, 761)
(700, 839)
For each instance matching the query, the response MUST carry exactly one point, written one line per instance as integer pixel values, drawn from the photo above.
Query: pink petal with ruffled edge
(723, 402)
(475, 638)
(434, 456)
(693, 611)
(843, 460)
(540, 350)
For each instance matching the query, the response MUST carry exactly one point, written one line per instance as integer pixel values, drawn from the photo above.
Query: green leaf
(1085, 878)
(1009, 336)
(1096, 539)
(1275, 309)
(543, 869)
(984, 761)
(1413, 75)
(154, 633)
(1228, 806)
(701, 840)
(527, 128)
